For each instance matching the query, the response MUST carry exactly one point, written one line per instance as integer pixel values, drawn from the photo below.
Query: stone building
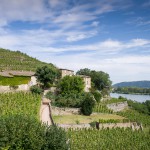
(86, 79)
(87, 82)
(66, 72)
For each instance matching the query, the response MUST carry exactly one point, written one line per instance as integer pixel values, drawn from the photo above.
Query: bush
(97, 95)
(71, 84)
(69, 100)
(18, 132)
(88, 104)
(36, 89)
(55, 139)
(14, 87)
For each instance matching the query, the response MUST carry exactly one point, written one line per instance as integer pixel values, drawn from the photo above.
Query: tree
(88, 104)
(46, 75)
(71, 84)
(100, 79)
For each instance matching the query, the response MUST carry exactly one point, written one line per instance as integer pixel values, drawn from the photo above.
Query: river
(138, 98)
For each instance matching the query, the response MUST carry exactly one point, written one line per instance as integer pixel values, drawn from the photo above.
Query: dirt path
(45, 113)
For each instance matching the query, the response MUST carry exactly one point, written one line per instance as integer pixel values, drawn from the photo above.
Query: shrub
(88, 104)
(70, 100)
(18, 132)
(14, 87)
(55, 139)
(36, 89)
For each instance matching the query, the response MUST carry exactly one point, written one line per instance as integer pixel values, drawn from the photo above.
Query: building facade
(87, 82)
(66, 72)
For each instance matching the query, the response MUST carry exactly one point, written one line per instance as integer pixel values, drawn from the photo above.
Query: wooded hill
(139, 84)
(16, 60)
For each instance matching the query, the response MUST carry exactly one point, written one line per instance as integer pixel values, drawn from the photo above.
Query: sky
(103, 35)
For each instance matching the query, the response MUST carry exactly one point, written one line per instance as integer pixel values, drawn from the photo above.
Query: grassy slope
(72, 119)
(15, 60)
(16, 80)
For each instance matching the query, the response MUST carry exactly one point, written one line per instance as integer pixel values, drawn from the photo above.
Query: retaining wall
(118, 106)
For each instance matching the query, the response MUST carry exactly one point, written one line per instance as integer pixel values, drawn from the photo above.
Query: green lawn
(16, 80)
(74, 119)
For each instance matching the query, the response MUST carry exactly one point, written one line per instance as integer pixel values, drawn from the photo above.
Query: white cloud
(23, 10)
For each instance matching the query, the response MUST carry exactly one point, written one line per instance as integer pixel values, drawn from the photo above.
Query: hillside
(15, 60)
(139, 84)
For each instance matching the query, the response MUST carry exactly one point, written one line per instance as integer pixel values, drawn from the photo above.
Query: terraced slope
(15, 60)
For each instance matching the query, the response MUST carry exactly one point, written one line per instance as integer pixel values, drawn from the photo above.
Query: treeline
(140, 107)
(132, 90)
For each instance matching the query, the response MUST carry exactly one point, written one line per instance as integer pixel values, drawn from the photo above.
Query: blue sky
(106, 35)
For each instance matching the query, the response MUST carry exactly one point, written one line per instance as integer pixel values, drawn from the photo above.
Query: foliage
(100, 79)
(114, 100)
(135, 116)
(97, 95)
(12, 81)
(71, 84)
(35, 89)
(16, 60)
(51, 95)
(20, 132)
(112, 139)
(14, 87)
(88, 104)
(46, 75)
(25, 132)
(69, 100)
(113, 120)
(20, 103)
(140, 107)
(55, 139)
(132, 90)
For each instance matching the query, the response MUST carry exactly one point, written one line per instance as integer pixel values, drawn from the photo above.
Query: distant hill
(140, 84)
(16, 60)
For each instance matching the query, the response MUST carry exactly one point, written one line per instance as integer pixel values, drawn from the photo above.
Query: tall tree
(46, 75)
(100, 79)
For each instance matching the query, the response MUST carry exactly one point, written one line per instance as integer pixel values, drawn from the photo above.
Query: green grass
(16, 80)
(73, 119)
(20, 103)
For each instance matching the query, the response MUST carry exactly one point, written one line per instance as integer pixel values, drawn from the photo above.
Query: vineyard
(135, 116)
(108, 139)
(15, 60)
(20, 103)
(101, 108)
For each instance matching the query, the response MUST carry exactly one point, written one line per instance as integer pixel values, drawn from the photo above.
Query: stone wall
(118, 106)
(64, 111)
(132, 125)
(22, 87)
